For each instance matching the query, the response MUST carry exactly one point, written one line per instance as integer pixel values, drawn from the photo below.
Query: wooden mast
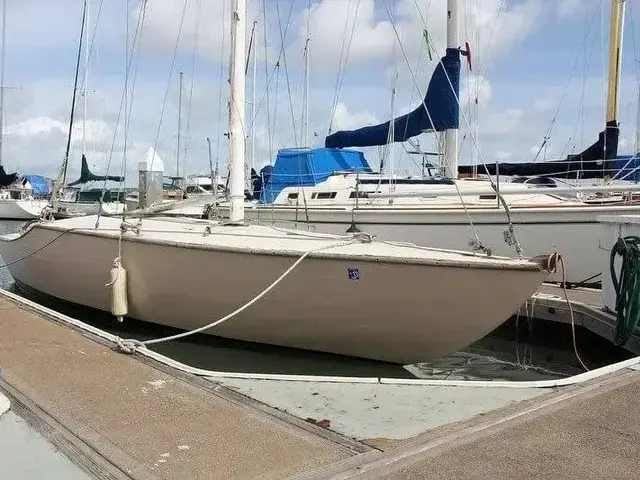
(615, 59)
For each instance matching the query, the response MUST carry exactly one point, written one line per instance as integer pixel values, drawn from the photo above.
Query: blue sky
(524, 51)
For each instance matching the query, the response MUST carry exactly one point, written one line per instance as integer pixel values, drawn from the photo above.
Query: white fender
(119, 306)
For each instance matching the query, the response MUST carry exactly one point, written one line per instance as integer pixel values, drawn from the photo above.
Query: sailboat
(75, 200)
(20, 199)
(334, 189)
(350, 294)
(72, 199)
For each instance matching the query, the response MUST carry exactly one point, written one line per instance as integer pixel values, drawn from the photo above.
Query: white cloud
(35, 126)
(345, 120)
(568, 8)
(543, 104)
(475, 87)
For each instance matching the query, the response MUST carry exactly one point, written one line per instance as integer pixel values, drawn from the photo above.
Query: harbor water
(521, 349)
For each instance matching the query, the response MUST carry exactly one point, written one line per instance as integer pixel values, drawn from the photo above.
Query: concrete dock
(127, 416)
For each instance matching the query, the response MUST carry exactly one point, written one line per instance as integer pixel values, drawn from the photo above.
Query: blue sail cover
(40, 186)
(308, 167)
(442, 111)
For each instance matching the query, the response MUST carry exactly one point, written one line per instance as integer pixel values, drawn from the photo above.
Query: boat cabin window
(358, 194)
(487, 197)
(324, 195)
(293, 196)
(16, 194)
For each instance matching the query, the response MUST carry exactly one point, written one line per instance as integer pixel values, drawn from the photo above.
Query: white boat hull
(399, 310)
(21, 209)
(65, 209)
(571, 230)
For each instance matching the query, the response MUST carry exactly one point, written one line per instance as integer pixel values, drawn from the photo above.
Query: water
(518, 350)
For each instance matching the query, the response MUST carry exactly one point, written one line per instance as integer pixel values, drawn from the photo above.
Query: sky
(538, 70)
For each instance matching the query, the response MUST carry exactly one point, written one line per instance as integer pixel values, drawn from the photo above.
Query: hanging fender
(118, 284)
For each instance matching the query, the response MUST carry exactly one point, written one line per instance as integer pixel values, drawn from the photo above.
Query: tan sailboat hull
(398, 310)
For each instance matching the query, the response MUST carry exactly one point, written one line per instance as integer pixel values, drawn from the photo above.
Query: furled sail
(87, 176)
(597, 161)
(442, 111)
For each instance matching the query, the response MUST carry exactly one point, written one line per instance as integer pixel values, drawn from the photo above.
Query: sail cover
(40, 186)
(296, 167)
(87, 176)
(442, 111)
(596, 161)
(7, 179)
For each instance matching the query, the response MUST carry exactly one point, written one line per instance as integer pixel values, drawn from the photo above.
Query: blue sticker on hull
(353, 274)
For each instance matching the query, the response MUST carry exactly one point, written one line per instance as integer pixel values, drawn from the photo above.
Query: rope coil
(626, 286)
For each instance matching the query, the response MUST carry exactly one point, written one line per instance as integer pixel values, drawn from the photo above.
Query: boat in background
(22, 198)
(349, 294)
(334, 189)
(75, 200)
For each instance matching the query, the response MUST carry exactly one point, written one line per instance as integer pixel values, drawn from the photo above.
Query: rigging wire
(127, 111)
(342, 63)
(581, 110)
(267, 79)
(194, 55)
(283, 35)
(510, 235)
(415, 82)
(65, 162)
(221, 81)
(547, 135)
(123, 98)
(167, 88)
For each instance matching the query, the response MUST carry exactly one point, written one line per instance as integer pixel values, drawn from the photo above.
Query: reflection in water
(519, 350)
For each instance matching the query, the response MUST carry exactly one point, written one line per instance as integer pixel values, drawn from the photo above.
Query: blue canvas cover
(308, 167)
(442, 111)
(39, 184)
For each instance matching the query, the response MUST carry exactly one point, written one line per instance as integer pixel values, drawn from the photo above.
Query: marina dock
(549, 303)
(131, 416)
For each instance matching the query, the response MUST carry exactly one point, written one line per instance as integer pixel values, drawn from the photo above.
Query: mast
(451, 134)
(615, 60)
(85, 82)
(2, 64)
(65, 162)
(179, 124)
(637, 142)
(253, 95)
(305, 113)
(213, 174)
(236, 111)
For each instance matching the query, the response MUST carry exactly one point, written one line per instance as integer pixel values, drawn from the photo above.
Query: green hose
(627, 287)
